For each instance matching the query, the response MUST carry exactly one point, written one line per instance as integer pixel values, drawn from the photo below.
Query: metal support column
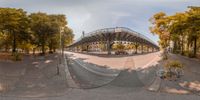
(87, 47)
(108, 47)
(142, 48)
(136, 47)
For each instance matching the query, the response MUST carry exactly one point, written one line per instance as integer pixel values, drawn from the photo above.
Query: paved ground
(117, 61)
(90, 71)
(33, 77)
(134, 76)
(187, 84)
(191, 80)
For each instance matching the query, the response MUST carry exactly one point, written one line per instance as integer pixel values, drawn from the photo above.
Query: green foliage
(14, 24)
(67, 36)
(102, 46)
(173, 65)
(24, 32)
(16, 56)
(188, 53)
(48, 28)
(165, 57)
(118, 46)
(159, 26)
(130, 46)
(181, 28)
(174, 69)
(40, 25)
(27, 47)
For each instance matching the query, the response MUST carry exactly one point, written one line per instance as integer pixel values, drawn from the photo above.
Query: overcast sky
(89, 15)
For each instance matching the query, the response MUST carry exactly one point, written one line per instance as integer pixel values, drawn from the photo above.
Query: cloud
(89, 15)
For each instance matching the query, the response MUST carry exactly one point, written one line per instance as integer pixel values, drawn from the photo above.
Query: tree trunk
(43, 51)
(43, 45)
(136, 48)
(195, 47)
(6, 47)
(54, 49)
(175, 47)
(179, 47)
(33, 51)
(188, 46)
(182, 46)
(51, 47)
(14, 43)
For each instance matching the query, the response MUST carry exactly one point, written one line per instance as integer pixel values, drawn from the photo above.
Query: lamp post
(61, 50)
(61, 41)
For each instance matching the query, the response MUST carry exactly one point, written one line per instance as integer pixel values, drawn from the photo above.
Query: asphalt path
(88, 75)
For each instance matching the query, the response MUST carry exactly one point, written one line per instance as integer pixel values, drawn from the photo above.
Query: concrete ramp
(131, 77)
(87, 75)
(127, 78)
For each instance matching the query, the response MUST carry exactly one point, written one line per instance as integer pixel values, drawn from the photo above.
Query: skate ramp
(87, 75)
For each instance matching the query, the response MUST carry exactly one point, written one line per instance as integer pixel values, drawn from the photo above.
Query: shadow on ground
(129, 78)
(94, 76)
(32, 77)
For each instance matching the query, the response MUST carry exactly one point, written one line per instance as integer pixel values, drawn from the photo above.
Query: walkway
(119, 89)
(32, 78)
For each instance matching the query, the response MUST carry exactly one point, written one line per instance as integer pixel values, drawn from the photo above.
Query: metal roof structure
(114, 34)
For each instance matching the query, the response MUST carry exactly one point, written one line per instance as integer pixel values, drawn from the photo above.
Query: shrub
(188, 54)
(191, 55)
(174, 68)
(176, 51)
(165, 57)
(17, 57)
(174, 64)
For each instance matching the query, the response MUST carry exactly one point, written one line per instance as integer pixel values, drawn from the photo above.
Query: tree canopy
(39, 31)
(182, 29)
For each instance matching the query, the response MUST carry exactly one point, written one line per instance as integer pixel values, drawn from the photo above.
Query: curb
(69, 78)
(155, 86)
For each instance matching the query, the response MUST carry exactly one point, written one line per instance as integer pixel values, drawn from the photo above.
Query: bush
(174, 64)
(17, 57)
(185, 53)
(188, 54)
(164, 57)
(176, 51)
(174, 68)
(191, 55)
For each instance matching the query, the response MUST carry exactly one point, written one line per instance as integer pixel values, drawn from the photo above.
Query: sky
(90, 15)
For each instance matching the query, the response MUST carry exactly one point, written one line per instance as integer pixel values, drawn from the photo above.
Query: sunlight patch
(176, 91)
(48, 61)
(1, 88)
(195, 85)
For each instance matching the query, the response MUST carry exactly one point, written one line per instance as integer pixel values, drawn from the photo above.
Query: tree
(5, 41)
(181, 28)
(159, 26)
(58, 24)
(67, 36)
(20, 31)
(177, 30)
(47, 30)
(193, 28)
(13, 23)
(40, 25)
